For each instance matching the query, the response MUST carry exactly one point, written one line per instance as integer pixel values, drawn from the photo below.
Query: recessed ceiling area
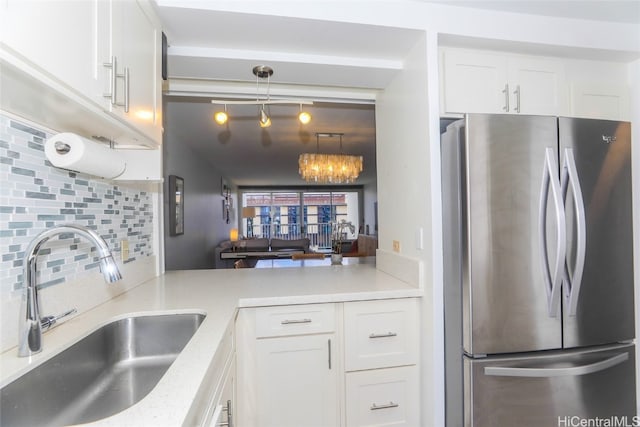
(224, 46)
(250, 155)
(216, 51)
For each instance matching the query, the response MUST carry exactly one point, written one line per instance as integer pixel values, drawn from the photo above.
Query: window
(292, 215)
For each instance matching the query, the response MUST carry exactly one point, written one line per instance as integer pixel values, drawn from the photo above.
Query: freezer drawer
(542, 390)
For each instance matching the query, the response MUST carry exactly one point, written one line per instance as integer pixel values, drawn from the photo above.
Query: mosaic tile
(38, 196)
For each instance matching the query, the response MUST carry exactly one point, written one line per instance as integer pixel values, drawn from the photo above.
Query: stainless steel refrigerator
(539, 295)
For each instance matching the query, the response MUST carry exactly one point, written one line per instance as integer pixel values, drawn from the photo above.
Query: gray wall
(204, 226)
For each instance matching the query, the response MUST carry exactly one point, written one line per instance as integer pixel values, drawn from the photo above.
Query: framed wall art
(176, 205)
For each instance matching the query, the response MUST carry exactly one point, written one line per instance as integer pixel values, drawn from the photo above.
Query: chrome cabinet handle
(552, 278)
(126, 90)
(517, 94)
(329, 351)
(227, 409)
(387, 335)
(506, 97)
(389, 405)
(501, 371)
(573, 281)
(294, 321)
(125, 77)
(113, 65)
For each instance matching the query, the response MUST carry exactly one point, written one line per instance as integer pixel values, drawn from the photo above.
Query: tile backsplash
(35, 196)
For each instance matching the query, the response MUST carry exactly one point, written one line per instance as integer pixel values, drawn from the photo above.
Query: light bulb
(265, 120)
(304, 117)
(221, 117)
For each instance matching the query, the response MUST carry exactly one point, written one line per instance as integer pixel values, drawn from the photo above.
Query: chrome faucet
(31, 325)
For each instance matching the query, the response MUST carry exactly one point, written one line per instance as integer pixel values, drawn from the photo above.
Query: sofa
(260, 246)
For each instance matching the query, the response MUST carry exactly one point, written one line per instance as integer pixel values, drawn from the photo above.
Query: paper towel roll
(71, 151)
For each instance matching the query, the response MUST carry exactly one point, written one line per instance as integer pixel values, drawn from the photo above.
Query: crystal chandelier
(329, 168)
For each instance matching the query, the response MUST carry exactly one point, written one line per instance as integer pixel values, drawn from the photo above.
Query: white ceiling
(214, 52)
(624, 11)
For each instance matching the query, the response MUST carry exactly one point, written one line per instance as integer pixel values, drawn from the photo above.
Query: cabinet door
(535, 86)
(474, 83)
(136, 46)
(383, 397)
(296, 382)
(60, 37)
(227, 399)
(600, 101)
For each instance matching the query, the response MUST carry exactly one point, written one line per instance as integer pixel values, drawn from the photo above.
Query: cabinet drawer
(383, 397)
(381, 334)
(294, 320)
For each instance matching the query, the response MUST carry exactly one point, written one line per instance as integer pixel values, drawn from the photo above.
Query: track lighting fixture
(264, 118)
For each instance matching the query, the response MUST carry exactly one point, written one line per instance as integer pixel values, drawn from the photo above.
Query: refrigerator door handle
(552, 278)
(572, 281)
(501, 371)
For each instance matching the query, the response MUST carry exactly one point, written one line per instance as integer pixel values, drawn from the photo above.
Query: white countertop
(218, 293)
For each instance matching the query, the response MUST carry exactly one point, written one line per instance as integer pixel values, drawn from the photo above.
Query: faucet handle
(48, 321)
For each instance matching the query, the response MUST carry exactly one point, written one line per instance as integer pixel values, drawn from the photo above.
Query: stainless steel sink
(104, 373)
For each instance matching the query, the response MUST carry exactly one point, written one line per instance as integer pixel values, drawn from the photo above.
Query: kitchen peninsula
(219, 294)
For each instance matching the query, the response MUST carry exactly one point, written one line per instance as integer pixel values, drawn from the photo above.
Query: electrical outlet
(396, 246)
(124, 250)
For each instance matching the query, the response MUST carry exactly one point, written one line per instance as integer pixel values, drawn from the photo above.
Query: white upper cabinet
(135, 58)
(536, 85)
(474, 83)
(60, 37)
(599, 89)
(483, 82)
(65, 45)
(600, 100)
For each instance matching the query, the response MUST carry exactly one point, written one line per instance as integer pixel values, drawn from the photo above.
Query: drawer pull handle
(294, 321)
(387, 335)
(389, 405)
(227, 409)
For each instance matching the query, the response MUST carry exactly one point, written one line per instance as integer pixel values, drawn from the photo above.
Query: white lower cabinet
(214, 404)
(381, 363)
(224, 405)
(288, 366)
(296, 383)
(326, 365)
(380, 334)
(383, 397)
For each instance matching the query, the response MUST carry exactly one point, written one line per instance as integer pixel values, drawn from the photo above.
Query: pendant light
(264, 120)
